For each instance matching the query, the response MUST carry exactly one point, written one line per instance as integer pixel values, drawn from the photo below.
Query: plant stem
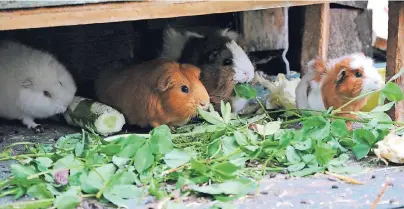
(26, 204)
(9, 192)
(27, 155)
(353, 100)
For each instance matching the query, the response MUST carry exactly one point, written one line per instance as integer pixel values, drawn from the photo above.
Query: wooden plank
(127, 11)
(264, 29)
(395, 52)
(350, 32)
(315, 34)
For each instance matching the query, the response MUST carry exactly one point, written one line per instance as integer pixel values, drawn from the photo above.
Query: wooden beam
(395, 52)
(316, 33)
(128, 11)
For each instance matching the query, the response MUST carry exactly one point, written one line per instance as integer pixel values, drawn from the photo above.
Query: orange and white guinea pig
(334, 82)
(154, 93)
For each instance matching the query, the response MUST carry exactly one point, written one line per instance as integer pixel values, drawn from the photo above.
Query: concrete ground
(276, 191)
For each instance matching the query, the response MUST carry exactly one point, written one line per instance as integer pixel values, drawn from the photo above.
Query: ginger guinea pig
(334, 83)
(33, 84)
(217, 53)
(154, 93)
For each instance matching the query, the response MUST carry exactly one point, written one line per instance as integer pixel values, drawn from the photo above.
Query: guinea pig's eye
(185, 89)
(358, 74)
(47, 94)
(227, 62)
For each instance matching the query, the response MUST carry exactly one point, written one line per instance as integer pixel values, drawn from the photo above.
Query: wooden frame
(128, 11)
(395, 52)
(316, 33)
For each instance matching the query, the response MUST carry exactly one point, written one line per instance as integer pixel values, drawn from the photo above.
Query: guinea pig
(33, 84)
(217, 53)
(336, 82)
(154, 93)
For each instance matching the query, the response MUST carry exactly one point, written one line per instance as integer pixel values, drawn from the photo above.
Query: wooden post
(395, 52)
(316, 33)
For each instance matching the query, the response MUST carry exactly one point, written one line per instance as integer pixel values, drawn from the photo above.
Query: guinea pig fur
(334, 83)
(154, 93)
(33, 84)
(216, 52)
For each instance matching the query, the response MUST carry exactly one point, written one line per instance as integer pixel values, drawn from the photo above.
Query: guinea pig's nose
(204, 105)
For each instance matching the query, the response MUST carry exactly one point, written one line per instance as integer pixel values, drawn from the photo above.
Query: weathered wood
(126, 11)
(354, 4)
(316, 33)
(264, 29)
(395, 52)
(350, 32)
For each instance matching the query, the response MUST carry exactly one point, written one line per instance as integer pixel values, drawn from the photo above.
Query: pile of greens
(212, 158)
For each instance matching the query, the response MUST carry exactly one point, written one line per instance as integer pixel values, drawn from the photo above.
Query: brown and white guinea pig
(33, 84)
(334, 83)
(154, 93)
(217, 52)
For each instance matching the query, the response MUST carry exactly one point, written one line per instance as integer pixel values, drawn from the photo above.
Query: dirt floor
(277, 191)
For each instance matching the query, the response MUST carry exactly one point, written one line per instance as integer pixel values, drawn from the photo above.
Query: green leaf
(79, 149)
(341, 160)
(230, 187)
(226, 111)
(160, 141)
(95, 180)
(199, 167)
(21, 171)
(310, 160)
(111, 149)
(285, 139)
(68, 142)
(120, 161)
(143, 158)
(303, 145)
(68, 162)
(316, 127)
(392, 92)
(214, 148)
(345, 169)
(360, 150)
(176, 158)
(225, 167)
(240, 138)
(229, 144)
(123, 195)
(338, 128)
(269, 128)
(364, 136)
(43, 163)
(211, 117)
(384, 107)
(245, 90)
(324, 153)
(292, 155)
(74, 180)
(39, 191)
(67, 200)
(296, 167)
(307, 171)
(130, 149)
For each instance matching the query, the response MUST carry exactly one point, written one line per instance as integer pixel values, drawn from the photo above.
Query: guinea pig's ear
(229, 34)
(341, 76)
(164, 82)
(27, 83)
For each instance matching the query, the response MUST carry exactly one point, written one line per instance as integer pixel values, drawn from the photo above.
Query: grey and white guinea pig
(33, 84)
(218, 54)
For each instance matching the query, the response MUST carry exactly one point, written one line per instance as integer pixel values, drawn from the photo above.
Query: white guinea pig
(217, 53)
(33, 84)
